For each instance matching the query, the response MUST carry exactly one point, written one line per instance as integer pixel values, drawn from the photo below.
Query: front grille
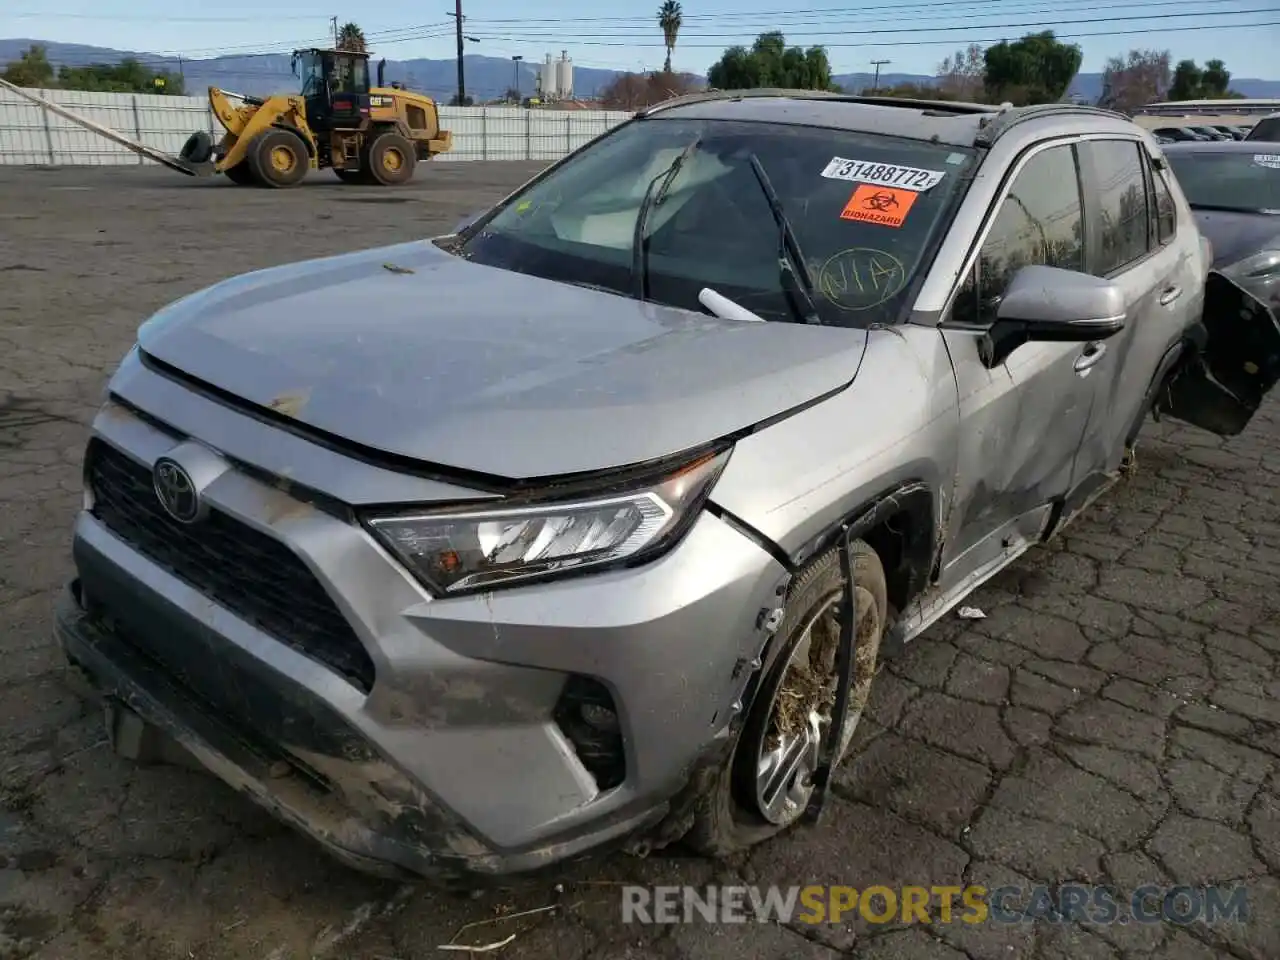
(251, 574)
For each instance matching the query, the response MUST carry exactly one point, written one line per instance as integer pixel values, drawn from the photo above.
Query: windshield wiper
(653, 196)
(793, 271)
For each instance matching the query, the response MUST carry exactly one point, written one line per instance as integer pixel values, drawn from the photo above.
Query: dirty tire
(392, 159)
(197, 149)
(241, 174)
(725, 822)
(351, 176)
(278, 158)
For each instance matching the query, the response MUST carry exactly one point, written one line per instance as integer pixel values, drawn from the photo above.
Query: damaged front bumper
(394, 830)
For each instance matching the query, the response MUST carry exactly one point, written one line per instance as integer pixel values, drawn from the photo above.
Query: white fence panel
(31, 135)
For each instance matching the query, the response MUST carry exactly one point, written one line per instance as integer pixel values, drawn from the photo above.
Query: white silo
(547, 78)
(564, 76)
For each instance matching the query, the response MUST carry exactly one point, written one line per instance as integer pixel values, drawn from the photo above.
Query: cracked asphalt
(1114, 718)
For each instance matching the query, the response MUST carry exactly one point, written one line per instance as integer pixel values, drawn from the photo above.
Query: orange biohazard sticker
(885, 206)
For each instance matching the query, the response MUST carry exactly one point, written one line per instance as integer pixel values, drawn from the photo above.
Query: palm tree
(670, 17)
(351, 37)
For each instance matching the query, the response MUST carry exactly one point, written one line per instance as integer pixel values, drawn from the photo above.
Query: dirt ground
(1114, 718)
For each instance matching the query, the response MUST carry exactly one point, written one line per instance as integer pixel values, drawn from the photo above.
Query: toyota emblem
(176, 491)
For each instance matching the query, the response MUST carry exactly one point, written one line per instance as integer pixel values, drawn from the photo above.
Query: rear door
(1133, 241)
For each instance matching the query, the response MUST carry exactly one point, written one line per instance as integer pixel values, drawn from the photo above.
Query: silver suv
(467, 556)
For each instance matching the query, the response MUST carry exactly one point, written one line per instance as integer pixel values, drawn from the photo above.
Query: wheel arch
(900, 523)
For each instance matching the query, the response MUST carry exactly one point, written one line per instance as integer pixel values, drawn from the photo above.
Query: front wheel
(279, 158)
(392, 159)
(764, 786)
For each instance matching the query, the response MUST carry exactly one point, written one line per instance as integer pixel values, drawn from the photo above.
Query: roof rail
(993, 128)
(706, 96)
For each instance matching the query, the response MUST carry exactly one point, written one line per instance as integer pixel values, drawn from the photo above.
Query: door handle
(1092, 354)
(1169, 294)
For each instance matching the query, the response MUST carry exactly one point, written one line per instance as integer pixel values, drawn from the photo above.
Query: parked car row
(1265, 129)
(589, 522)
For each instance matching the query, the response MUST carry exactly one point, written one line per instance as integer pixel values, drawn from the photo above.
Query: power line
(994, 26)
(916, 43)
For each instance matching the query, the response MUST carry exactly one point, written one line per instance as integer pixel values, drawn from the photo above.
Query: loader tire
(392, 159)
(198, 148)
(352, 176)
(241, 175)
(278, 158)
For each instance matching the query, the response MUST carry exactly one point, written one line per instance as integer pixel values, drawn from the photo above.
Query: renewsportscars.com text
(1069, 903)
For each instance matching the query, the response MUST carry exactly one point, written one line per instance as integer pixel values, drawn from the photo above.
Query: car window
(1120, 202)
(866, 210)
(1039, 223)
(1165, 210)
(1268, 128)
(1245, 181)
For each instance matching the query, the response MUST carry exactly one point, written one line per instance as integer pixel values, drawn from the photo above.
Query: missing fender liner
(830, 746)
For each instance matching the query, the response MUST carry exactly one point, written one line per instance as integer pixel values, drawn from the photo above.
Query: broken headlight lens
(460, 551)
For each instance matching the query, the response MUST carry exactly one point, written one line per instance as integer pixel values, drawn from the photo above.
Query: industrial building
(555, 78)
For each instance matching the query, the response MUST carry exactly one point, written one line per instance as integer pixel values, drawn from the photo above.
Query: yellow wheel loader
(374, 135)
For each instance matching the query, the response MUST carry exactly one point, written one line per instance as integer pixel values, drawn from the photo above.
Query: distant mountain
(486, 77)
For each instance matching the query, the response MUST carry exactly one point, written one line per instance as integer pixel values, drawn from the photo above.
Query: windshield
(311, 72)
(866, 211)
(1247, 182)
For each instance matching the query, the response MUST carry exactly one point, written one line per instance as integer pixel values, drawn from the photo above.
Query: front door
(1021, 421)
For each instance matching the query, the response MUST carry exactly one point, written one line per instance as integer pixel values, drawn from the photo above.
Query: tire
(278, 158)
(726, 818)
(198, 148)
(392, 160)
(351, 176)
(241, 175)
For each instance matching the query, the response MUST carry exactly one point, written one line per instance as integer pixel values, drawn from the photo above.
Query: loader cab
(335, 84)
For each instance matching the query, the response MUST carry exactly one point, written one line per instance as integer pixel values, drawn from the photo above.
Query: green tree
(670, 19)
(31, 69)
(771, 63)
(1035, 69)
(351, 37)
(1190, 82)
(1187, 78)
(127, 76)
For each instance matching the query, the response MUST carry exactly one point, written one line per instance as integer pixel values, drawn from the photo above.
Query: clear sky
(912, 34)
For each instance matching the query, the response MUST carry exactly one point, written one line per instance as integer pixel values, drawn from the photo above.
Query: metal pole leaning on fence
(137, 127)
(48, 137)
(484, 133)
(528, 133)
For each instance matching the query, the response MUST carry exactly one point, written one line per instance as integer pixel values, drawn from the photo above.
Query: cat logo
(381, 101)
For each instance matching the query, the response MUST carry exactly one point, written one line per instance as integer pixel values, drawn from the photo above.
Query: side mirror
(1048, 304)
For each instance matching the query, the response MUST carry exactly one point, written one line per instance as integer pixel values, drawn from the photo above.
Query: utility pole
(516, 60)
(335, 31)
(462, 83)
(875, 84)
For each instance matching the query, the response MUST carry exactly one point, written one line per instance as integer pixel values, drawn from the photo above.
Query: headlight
(461, 551)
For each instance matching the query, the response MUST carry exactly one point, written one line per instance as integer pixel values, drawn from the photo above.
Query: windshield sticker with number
(885, 174)
(861, 278)
(879, 205)
(1271, 160)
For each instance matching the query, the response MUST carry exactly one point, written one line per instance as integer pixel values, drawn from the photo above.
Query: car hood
(411, 351)
(1237, 235)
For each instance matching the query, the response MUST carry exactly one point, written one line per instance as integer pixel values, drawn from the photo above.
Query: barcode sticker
(883, 174)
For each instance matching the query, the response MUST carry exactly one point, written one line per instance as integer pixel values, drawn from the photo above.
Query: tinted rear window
(1268, 128)
(867, 211)
(1229, 181)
